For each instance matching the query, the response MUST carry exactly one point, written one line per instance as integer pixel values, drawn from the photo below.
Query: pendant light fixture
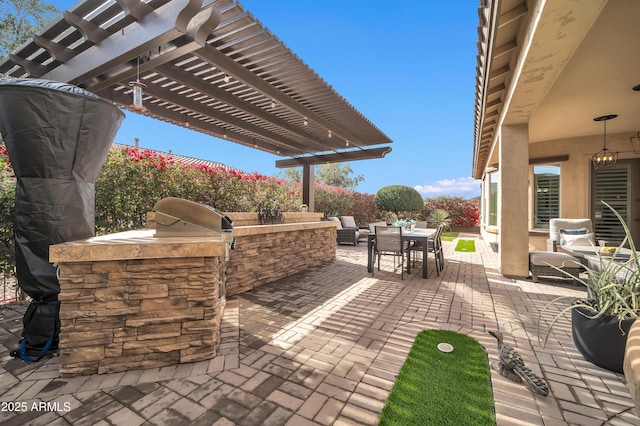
(137, 87)
(605, 157)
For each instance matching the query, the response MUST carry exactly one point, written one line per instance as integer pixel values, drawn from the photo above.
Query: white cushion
(348, 222)
(570, 240)
(335, 219)
(556, 224)
(546, 258)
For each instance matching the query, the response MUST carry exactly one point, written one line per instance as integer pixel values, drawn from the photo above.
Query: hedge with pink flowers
(133, 180)
(464, 213)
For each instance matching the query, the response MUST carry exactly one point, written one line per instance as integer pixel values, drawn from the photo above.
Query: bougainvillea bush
(7, 203)
(463, 212)
(335, 201)
(133, 180)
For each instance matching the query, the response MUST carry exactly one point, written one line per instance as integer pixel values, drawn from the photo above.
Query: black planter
(600, 340)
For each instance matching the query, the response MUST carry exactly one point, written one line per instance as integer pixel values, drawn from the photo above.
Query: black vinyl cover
(58, 137)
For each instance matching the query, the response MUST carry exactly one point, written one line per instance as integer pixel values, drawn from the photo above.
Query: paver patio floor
(323, 348)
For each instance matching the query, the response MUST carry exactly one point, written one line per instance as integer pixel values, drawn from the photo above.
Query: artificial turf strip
(448, 236)
(468, 246)
(437, 388)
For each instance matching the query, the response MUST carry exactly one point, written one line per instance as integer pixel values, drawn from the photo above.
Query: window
(546, 195)
(492, 201)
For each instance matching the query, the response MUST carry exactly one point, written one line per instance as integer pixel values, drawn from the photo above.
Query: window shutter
(612, 186)
(547, 198)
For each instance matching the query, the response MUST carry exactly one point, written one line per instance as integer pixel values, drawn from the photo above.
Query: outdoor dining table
(418, 234)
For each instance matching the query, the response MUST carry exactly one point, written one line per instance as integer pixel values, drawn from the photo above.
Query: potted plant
(601, 321)
(401, 223)
(304, 208)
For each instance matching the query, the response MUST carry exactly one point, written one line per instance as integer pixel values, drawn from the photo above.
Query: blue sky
(407, 66)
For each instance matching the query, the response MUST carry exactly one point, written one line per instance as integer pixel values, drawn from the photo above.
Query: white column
(513, 200)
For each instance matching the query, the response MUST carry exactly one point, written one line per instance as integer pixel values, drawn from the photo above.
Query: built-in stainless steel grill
(176, 217)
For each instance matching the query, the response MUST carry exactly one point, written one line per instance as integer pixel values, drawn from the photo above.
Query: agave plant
(439, 217)
(613, 286)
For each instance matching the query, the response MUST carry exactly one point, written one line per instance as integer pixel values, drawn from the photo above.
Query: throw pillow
(578, 239)
(564, 232)
(577, 231)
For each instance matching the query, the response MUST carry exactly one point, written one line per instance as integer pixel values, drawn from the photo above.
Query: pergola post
(308, 183)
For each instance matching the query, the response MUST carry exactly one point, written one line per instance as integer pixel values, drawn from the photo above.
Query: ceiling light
(227, 78)
(605, 157)
(329, 133)
(273, 103)
(347, 142)
(305, 122)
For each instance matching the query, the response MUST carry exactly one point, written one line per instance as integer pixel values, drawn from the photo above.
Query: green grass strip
(449, 236)
(437, 388)
(468, 246)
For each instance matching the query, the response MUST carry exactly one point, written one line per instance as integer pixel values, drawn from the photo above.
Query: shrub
(399, 198)
(335, 201)
(463, 212)
(7, 204)
(132, 180)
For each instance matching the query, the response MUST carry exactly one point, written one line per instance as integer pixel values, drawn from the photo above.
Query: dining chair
(434, 245)
(389, 242)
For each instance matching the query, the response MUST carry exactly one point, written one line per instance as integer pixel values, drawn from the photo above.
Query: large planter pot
(600, 340)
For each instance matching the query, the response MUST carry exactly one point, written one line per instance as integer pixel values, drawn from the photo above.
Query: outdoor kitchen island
(131, 300)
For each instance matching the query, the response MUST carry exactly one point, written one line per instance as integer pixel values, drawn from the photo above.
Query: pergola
(209, 66)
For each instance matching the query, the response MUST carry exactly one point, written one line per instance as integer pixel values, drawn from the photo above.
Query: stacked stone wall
(265, 257)
(125, 315)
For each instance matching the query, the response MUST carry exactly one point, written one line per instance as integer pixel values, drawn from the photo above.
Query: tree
(399, 198)
(337, 174)
(333, 174)
(21, 19)
(293, 173)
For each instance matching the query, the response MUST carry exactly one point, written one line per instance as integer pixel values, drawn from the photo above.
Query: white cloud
(467, 187)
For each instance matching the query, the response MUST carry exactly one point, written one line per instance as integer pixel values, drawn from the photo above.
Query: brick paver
(323, 348)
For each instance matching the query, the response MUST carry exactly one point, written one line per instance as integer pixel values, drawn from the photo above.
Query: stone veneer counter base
(131, 301)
